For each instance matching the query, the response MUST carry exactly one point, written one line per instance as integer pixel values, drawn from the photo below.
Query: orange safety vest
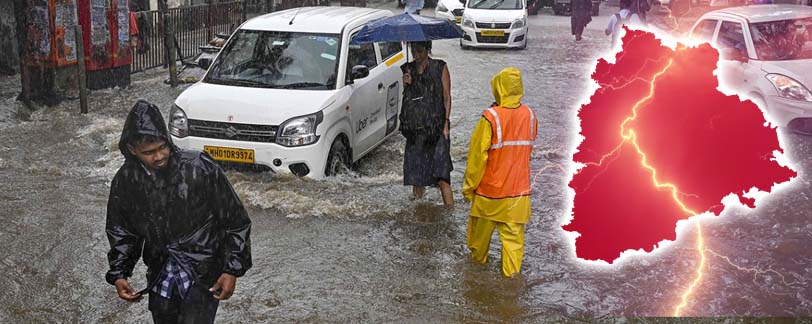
(507, 173)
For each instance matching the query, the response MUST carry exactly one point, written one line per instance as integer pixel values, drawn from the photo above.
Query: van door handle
(380, 86)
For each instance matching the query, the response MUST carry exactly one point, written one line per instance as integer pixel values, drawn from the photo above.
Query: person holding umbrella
(425, 123)
(426, 108)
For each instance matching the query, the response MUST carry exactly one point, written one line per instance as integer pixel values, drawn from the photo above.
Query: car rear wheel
(338, 158)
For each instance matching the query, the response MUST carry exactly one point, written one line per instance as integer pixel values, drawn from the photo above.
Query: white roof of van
(765, 13)
(313, 19)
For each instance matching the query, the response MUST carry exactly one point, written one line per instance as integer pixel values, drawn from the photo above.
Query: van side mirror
(359, 72)
(734, 54)
(204, 63)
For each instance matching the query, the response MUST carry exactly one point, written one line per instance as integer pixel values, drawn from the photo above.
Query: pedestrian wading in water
(581, 16)
(424, 121)
(497, 178)
(177, 210)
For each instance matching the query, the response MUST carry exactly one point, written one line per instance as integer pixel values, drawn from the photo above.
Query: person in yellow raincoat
(497, 178)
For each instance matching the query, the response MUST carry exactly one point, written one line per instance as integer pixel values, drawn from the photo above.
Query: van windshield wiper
(299, 85)
(240, 82)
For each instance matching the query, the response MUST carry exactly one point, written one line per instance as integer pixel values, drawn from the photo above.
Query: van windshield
(783, 40)
(495, 4)
(270, 59)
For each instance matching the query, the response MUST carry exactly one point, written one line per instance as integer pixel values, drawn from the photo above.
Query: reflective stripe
(518, 143)
(498, 127)
(512, 143)
(499, 143)
(532, 123)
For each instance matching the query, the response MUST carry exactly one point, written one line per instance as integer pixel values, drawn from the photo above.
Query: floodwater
(355, 249)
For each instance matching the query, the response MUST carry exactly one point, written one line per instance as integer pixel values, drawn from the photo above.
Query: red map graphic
(663, 144)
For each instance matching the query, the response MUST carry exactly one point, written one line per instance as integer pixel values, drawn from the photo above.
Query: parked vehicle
(563, 7)
(290, 93)
(730, 3)
(495, 24)
(450, 9)
(765, 55)
(426, 3)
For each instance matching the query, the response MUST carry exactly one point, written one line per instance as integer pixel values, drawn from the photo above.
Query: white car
(450, 9)
(495, 24)
(290, 93)
(765, 55)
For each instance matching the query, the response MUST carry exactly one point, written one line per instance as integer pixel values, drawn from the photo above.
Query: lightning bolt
(700, 246)
(755, 271)
(630, 136)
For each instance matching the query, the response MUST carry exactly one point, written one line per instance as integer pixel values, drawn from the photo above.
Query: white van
(495, 24)
(289, 92)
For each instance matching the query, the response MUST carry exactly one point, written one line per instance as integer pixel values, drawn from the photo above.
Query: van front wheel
(338, 158)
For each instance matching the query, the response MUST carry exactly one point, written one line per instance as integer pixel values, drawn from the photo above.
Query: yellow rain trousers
(506, 215)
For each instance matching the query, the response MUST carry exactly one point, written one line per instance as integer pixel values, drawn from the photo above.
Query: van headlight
(178, 123)
(467, 22)
(300, 130)
(518, 23)
(789, 88)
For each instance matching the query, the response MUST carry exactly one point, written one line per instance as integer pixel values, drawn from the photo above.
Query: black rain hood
(188, 214)
(144, 119)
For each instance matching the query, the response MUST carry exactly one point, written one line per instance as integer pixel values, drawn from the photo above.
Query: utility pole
(80, 57)
(169, 43)
(20, 9)
(244, 11)
(209, 22)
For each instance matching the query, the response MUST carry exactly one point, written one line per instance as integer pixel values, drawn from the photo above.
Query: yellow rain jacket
(510, 204)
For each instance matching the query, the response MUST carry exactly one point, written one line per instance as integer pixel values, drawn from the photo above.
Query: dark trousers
(199, 306)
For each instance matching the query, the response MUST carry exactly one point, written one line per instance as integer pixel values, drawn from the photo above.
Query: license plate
(458, 19)
(230, 154)
(492, 33)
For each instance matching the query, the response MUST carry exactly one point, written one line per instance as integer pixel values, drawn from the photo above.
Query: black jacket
(188, 212)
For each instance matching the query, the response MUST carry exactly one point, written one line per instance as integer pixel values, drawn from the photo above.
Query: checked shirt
(173, 276)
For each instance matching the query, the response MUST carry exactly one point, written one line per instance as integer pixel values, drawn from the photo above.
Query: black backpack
(423, 110)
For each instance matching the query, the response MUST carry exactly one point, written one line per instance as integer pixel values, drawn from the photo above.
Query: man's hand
(224, 287)
(445, 130)
(126, 292)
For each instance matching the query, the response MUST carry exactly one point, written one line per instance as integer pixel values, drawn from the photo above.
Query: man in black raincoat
(178, 210)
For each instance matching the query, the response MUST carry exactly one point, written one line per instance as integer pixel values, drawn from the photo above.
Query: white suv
(289, 92)
(765, 55)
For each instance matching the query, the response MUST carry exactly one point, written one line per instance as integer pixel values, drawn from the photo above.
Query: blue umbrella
(407, 27)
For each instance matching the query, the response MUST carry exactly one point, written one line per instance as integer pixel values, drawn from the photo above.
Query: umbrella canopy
(407, 27)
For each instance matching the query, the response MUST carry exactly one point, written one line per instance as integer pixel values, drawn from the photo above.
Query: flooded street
(356, 249)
